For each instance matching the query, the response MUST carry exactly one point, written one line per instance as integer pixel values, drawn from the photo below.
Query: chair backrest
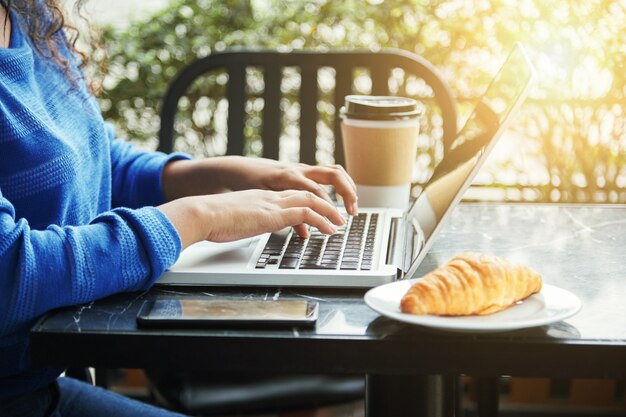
(380, 66)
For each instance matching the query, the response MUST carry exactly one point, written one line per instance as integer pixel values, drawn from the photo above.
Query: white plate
(551, 305)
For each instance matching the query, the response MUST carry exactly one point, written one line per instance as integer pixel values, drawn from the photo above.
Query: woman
(84, 215)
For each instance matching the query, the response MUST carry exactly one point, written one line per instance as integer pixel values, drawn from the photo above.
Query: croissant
(471, 283)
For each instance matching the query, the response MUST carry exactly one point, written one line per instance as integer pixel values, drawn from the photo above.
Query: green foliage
(572, 127)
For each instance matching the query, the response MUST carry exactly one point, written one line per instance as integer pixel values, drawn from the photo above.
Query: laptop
(379, 245)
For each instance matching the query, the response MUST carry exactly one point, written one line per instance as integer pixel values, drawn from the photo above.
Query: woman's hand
(237, 215)
(185, 178)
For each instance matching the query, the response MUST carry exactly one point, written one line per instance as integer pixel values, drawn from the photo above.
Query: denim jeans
(72, 398)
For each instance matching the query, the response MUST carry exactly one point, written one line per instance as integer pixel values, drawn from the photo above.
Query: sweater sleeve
(136, 174)
(120, 250)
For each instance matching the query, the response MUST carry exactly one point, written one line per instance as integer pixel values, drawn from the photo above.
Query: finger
(339, 179)
(327, 172)
(308, 199)
(296, 216)
(300, 182)
(301, 230)
(354, 208)
(341, 168)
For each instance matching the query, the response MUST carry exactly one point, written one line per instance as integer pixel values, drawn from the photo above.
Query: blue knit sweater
(77, 221)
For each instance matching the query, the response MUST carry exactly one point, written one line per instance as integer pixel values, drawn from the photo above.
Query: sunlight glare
(555, 63)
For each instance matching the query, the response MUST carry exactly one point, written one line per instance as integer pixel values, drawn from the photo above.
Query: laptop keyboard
(351, 248)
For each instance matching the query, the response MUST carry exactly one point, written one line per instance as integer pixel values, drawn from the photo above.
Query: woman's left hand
(182, 178)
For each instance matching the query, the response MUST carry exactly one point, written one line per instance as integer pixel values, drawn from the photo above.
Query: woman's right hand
(240, 214)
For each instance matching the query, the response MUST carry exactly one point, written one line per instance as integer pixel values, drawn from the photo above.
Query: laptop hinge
(397, 245)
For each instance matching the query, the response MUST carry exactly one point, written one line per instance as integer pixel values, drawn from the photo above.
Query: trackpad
(216, 256)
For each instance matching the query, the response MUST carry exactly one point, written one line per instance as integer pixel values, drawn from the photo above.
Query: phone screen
(228, 311)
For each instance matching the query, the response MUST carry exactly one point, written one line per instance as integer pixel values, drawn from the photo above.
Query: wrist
(190, 218)
(173, 178)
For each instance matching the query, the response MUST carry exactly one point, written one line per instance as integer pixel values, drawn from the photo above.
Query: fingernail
(355, 209)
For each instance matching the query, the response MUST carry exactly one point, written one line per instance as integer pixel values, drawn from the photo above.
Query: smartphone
(215, 312)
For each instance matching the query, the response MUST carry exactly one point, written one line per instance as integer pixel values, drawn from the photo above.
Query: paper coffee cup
(380, 145)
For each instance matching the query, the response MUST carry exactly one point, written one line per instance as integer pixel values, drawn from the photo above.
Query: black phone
(215, 312)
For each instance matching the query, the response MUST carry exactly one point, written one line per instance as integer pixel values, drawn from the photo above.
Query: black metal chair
(344, 63)
(206, 394)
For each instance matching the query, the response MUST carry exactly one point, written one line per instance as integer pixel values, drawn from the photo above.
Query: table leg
(487, 401)
(453, 396)
(408, 395)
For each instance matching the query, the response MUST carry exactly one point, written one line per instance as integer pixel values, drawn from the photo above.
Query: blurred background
(568, 144)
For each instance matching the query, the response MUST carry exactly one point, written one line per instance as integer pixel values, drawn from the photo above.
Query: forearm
(197, 177)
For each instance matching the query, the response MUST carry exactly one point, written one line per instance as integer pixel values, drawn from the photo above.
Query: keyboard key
(311, 266)
(288, 263)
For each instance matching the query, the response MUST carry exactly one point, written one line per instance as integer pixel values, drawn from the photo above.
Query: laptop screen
(454, 173)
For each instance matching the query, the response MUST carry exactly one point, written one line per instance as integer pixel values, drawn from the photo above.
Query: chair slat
(308, 115)
(343, 87)
(380, 80)
(271, 112)
(236, 109)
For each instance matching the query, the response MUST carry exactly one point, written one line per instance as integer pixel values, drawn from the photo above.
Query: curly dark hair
(49, 31)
